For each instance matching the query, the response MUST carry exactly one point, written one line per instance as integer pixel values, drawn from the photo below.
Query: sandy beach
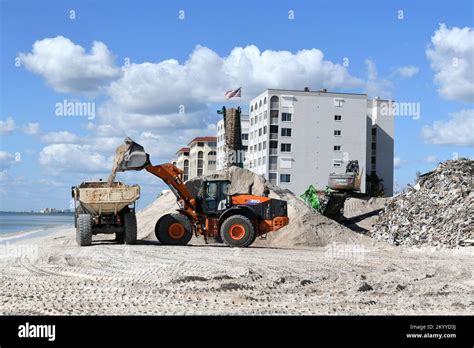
(50, 274)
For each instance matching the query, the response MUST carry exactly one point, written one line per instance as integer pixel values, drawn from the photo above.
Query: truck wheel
(173, 229)
(237, 231)
(120, 237)
(84, 230)
(130, 224)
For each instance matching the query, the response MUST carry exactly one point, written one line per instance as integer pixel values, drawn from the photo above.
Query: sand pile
(307, 228)
(437, 211)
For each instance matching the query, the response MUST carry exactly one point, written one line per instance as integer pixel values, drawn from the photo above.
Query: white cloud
(458, 130)
(8, 126)
(6, 160)
(63, 137)
(430, 159)
(451, 56)
(376, 86)
(73, 157)
(407, 71)
(31, 128)
(67, 67)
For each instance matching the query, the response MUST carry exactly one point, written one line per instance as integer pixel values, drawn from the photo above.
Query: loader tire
(84, 230)
(130, 224)
(237, 231)
(173, 229)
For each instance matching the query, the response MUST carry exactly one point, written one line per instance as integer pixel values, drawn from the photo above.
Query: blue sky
(40, 151)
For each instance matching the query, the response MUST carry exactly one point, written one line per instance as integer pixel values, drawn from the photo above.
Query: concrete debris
(437, 211)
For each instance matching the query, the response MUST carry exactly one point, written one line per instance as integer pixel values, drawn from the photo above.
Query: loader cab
(214, 196)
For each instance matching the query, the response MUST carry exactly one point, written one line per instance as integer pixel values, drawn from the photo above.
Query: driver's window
(211, 191)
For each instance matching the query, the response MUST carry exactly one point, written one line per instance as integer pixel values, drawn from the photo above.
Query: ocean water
(23, 222)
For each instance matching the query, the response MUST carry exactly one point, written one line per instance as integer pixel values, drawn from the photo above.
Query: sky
(157, 71)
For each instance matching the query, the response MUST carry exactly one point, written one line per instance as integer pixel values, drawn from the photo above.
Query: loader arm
(173, 177)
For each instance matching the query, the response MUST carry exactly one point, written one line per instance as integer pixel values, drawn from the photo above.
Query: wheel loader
(235, 219)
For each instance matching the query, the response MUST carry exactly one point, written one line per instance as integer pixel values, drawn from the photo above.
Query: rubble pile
(437, 211)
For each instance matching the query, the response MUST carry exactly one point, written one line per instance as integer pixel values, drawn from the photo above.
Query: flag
(232, 94)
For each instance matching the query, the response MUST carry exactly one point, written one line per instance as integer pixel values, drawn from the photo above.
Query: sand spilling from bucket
(119, 153)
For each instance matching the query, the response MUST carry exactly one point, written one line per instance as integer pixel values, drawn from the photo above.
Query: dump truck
(101, 207)
(235, 219)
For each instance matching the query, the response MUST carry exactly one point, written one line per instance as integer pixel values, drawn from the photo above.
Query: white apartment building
(244, 124)
(298, 137)
(202, 156)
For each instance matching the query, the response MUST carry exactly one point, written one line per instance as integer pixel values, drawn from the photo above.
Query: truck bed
(98, 197)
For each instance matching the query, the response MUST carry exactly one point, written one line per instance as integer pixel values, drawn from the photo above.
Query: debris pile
(437, 211)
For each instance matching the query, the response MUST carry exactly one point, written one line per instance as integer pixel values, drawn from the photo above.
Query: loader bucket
(131, 156)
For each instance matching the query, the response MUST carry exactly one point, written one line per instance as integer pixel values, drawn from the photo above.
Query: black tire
(79, 211)
(237, 231)
(84, 230)
(130, 226)
(178, 234)
(120, 237)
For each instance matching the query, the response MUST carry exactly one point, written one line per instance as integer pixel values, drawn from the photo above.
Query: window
(373, 160)
(260, 118)
(260, 147)
(285, 177)
(260, 104)
(286, 117)
(265, 130)
(245, 148)
(265, 101)
(212, 153)
(337, 118)
(245, 136)
(337, 163)
(337, 133)
(251, 108)
(272, 177)
(200, 163)
(274, 101)
(255, 147)
(337, 147)
(338, 102)
(263, 160)
(285, 148)
(374, 145)
(211, 163)
(200, 144)
(186, 170)
(256, 106)
(265, 115)
(264, 145)
(260, 132)
(260, 161)
(212, 144)
(286, 132)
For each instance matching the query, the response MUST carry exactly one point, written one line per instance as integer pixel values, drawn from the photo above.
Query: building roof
(183, 149)
(204, 139)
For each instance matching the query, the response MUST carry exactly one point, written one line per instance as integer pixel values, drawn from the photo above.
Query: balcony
(274, 105)
(273, 136)
(273, 151)
(274, 120)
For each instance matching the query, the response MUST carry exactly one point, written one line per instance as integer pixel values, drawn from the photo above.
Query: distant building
(298, 137)
(202, 156)
(182, 161)
(244, 124)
